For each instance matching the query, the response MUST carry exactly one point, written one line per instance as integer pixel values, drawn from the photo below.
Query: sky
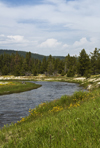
(56, 27)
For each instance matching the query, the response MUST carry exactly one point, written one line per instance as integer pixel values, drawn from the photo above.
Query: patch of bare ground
(80, 78)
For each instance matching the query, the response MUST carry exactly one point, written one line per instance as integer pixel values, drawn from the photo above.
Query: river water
(15, 106)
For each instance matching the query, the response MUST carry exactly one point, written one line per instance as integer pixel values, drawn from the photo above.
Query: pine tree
(5, 70)
(83, 63)
(70, 63)
(50, 68)
(95, 61)
(43, 65)
(60, 66)
(18, 64)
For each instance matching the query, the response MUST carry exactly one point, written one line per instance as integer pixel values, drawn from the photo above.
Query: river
(14, 106)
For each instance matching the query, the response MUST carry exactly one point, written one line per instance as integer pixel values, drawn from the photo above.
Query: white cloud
(16, 38)
(62, 25)
(82, 42)
(12, 39)
(65, 45)
(50, 43)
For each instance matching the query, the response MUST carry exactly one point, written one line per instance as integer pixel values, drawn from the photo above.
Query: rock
(89, 87)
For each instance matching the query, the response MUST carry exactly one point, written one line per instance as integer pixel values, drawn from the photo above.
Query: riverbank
(72, 121)
(9, 87)
(90, 83)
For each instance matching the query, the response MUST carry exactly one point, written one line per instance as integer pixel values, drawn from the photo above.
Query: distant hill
(23, 53)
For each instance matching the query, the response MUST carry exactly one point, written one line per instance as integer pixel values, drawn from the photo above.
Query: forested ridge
(23, 53)
(83, 65)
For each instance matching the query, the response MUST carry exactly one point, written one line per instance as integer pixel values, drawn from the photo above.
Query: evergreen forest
(18, 65)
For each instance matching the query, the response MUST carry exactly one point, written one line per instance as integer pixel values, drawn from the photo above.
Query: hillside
(23, 53)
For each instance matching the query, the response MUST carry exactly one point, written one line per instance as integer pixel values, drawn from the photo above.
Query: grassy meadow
(68, 122)
(8, 87)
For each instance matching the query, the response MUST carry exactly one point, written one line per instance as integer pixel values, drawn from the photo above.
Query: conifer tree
(95, 61)
(44, 65)
(83, 63)
(60, 66)
(50, 68)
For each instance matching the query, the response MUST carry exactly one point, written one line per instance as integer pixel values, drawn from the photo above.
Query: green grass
(16, 86)
(69, 122)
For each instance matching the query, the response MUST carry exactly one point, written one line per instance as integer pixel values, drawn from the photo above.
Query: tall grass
(69, 122)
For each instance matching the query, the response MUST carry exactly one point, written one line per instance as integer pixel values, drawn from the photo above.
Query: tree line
(83, 65)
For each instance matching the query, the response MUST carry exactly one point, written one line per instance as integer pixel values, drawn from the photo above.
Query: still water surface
(15, 106)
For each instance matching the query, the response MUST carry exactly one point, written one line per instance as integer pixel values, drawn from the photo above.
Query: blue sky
(21, 2)
(55, 27)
